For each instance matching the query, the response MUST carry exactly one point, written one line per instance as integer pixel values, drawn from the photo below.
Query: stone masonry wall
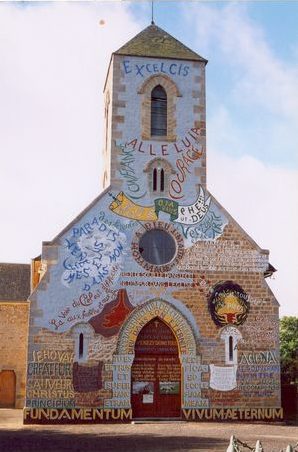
(13, 344)
(100, 288)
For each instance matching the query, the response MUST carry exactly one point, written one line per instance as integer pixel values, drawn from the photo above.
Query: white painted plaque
(223, 378)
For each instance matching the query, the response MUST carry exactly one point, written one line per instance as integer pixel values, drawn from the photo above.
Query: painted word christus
(127, 171)
(266, 357)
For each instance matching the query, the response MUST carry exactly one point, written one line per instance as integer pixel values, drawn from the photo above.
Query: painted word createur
(49, 369)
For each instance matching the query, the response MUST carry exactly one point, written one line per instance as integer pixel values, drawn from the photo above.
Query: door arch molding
(190, 359)
(167, 313)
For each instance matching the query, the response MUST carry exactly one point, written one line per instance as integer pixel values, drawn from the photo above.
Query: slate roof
(14, 282)
(153, 41)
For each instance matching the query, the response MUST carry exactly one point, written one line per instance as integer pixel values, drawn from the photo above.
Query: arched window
(158, 180)
(159, 172)
(162, 180)
(154, 185)
(82, 334)
(158, 111)
(231, 351)
(231, 336)
(81, 345)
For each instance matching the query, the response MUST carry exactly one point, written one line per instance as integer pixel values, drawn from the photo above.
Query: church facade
(153, 302)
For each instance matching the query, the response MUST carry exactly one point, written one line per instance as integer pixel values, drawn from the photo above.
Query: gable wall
(96, 282)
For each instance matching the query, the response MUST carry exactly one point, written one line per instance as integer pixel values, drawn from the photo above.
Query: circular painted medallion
(228, 304)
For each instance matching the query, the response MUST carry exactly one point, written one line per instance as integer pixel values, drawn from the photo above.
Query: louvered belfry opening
(158, 111)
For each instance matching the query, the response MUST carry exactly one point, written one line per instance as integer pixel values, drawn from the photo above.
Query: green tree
(289, 349)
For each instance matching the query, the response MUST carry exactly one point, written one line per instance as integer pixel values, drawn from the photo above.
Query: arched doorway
(7, 389)
(156, 373)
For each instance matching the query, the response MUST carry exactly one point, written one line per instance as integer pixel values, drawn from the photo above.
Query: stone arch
(87, 331)
(172, 93)
(160, 79)
(191, 366)
(166, 312)
(159, 160)
(159, 164)
(226, 333)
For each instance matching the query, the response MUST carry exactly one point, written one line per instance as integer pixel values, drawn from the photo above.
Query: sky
(53, 61)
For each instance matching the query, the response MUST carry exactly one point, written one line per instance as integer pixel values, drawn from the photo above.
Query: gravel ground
(139, 437)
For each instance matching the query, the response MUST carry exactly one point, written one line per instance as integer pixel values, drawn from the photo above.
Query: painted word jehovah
(153, 302)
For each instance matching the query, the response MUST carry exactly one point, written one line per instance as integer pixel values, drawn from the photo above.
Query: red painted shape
(118, 314)
(109, 321)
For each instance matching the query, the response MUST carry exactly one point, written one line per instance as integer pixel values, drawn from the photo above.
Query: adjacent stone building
(153, 302)
(14, 314)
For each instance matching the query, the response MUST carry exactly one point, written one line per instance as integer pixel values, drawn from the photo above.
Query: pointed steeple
(153, 41)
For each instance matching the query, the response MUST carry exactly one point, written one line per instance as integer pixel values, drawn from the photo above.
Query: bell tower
(155, 119)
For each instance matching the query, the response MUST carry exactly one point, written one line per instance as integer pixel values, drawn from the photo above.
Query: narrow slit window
(162, 180)
(155, 179)
(81, 345)
(231, 348)
(158, 111)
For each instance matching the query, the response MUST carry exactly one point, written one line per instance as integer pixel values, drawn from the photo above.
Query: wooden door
(156, 373)
(7, 389)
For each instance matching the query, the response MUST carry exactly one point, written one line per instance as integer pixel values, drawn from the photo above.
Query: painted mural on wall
(228, 304)
(99, 289)
(196, 221)
(258, 373)
(189, 215)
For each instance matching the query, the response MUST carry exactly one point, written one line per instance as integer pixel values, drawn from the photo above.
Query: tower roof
(155, 42)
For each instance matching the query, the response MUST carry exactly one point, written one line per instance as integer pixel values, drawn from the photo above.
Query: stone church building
(153, 302)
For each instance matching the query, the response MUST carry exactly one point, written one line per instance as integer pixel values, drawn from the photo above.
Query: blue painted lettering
(139, 69)
(185, 71)
(170, 69)
(159, 66)
(127, 67)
